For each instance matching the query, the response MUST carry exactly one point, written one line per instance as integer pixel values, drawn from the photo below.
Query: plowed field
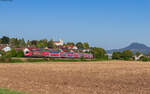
(109, 77)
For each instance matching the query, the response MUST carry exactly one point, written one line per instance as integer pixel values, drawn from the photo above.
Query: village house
(138, 57)
(59, 43)
(109, 56)
(86, 50)
(70, 47)
(5, 47)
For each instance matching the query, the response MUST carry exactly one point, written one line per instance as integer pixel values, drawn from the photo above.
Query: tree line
(125, 55)
(15, 42)
(129, 55)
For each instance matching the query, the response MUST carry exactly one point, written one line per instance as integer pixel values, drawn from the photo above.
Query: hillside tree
(80, 45)
(5, 40)
(86, 45)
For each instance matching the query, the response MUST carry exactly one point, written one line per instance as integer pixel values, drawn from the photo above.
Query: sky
(103, 23)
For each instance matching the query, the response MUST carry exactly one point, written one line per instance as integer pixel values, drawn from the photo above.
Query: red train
(55, 53)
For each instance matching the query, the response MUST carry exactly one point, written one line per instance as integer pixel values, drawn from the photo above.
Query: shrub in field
(20, 53)
(6, 54)
(6, 57)
(13, 53)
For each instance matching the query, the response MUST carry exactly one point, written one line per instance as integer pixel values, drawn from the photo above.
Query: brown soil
(109, 77)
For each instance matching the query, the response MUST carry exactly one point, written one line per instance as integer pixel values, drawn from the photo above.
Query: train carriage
(63, 54)
(55, 53)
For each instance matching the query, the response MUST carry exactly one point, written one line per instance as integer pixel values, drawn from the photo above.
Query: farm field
(103, 77)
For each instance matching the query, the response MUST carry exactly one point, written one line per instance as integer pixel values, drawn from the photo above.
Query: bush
(6, 57)
(13, 53)
(20, 53)
(7, 54)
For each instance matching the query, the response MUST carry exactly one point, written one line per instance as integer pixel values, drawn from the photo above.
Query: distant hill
(134, 47)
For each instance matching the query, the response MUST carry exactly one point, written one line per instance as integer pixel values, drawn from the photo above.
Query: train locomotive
(55, 53)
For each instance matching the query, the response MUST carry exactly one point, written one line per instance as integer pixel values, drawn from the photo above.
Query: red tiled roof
(57, 42)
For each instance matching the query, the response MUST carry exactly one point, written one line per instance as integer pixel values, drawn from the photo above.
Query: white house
(86, 50)
(6, 49)
(59, 43)
(75, 48)
(138, 57)
(109, 56)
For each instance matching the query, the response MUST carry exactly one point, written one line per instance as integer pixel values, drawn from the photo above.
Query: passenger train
(55, 53)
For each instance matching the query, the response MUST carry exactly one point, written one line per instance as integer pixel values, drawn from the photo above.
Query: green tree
(5, 40)
(22, 42)
(99, 53)
(13, 42)
(51, 44)
(28, 43)
(34, 42)
(116, 55)
(39, 44)
(79, 45)
(127, 55)
(70, 43)
(86, 45)
(43, 43)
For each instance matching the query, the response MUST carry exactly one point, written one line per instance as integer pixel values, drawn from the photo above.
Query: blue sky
(102, 23)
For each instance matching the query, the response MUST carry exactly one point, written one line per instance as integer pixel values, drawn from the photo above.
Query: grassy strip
(36, 60)
(17, 60)
(6, 91)
(63, 60)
